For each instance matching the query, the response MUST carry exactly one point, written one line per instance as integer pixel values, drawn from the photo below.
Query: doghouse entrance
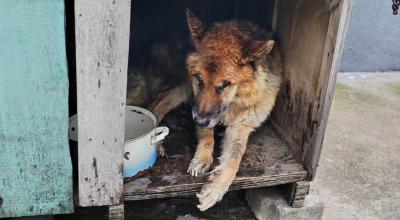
(311, 36)
(267, 161)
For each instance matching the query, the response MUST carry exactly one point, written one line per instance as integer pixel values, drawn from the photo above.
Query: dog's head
(225, 61)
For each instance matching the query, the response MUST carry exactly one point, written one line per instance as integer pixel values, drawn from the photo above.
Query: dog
(231, 73)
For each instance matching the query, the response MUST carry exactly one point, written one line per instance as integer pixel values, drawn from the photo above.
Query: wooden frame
(311, 33)
(295, 193)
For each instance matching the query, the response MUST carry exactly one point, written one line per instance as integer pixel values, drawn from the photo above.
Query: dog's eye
(198, 77)
(223, 85)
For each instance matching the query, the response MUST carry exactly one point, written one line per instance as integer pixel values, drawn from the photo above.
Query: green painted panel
(35, 165)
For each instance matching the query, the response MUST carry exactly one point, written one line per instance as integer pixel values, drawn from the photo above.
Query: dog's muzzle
(206, 119)
(204, 122)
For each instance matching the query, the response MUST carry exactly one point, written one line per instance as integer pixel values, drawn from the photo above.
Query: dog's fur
(232, 76)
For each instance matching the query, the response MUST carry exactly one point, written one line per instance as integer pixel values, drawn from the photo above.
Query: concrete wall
(373, 38)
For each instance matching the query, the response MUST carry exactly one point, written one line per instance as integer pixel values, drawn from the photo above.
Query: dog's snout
(202, 121)
(201, 118)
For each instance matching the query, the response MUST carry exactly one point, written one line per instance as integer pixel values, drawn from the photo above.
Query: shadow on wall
(373, 38)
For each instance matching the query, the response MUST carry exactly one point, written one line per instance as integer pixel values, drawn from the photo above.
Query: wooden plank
(116, 212)
(308, 32)
(35, 165)
(296, 193)
(267, 162)
(42, 217)
(102, 41)
(334, 44)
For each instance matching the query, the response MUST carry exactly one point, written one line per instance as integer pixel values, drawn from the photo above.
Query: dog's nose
(202, 121)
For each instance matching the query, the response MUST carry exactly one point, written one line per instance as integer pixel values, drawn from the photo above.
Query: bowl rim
(127, 108)
(143, 135)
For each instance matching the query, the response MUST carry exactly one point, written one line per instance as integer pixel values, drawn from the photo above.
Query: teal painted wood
(35, 165)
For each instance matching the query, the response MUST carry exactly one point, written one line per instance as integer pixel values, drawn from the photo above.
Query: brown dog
(234, 75)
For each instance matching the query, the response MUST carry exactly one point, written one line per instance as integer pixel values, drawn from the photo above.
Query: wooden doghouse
(284, 151)
(109, 34)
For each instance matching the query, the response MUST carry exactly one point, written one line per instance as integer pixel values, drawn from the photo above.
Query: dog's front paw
(209, 195)
(160, 149)
(199, 165)
(213, 192)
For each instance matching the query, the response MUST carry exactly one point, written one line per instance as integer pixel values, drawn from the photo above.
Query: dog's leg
(234, 146)
(203, 159)
(166, 101)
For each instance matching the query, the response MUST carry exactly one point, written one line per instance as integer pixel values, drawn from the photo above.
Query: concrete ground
(359, 172)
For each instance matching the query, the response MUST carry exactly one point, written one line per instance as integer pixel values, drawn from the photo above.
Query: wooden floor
(267, 162)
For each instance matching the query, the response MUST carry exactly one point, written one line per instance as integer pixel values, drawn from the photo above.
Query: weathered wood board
(267, 162)
(102, 42)
(334, 44)
(35, 165)
(296, 193)
(312, 35)
(116, 212)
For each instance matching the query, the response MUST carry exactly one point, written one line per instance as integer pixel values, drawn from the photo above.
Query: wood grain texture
(267, 162)
(308, 32)
(116, 212)
(335, 43)
(296, 193)
(102, 41)
(35, 165)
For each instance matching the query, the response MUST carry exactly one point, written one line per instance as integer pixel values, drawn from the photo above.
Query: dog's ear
(196, 27)
(255, 50)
